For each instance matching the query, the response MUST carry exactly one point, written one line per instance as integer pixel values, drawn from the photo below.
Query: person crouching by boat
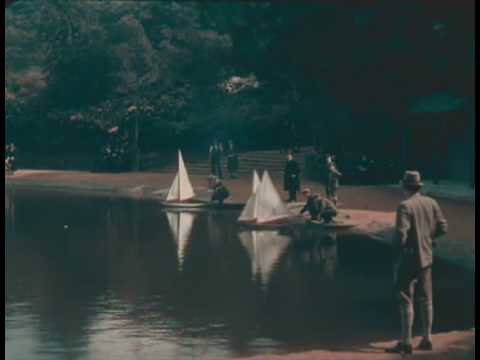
(318, 207)
(292, 178)
(220, 192)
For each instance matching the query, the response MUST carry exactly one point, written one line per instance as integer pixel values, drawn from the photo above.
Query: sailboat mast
(179, 187)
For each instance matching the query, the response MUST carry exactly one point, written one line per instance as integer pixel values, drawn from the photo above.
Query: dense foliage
(246, 70)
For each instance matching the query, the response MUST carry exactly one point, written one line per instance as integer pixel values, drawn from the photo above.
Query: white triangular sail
(264, 249)
(270, 206)
(181, 224)
(256, 182)
(249, 213)
(181, 188)
(173, 193)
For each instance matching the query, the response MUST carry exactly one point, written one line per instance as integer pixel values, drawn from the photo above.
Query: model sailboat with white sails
(248, 214)
(181, 189)
(265, 206)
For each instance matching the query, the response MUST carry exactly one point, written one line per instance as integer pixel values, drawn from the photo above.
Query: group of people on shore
(419, 221)
(217, 152)
(319, 208)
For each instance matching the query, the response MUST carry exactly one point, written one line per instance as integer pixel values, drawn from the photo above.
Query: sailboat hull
(333, 225)
(282, 222)
(198, 204)
(188, 204)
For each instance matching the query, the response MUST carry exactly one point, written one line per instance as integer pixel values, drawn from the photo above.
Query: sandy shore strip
(456, 345)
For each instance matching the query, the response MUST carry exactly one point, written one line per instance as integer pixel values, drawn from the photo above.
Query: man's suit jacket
(419, 221)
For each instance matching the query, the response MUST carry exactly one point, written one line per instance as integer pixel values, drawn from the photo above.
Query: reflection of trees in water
(9, 213)
(319, 249)
(138, 244)
(325, 253)
(55, 279)
(116, 270)
(109, 258)
(118, 262)
(302, 293)
(237, 300)
(222, 232)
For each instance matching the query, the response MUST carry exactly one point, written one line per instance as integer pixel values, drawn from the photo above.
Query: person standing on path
(291, 181)
(333, 181)
(216, 152)
(232, 159)
(419, 221)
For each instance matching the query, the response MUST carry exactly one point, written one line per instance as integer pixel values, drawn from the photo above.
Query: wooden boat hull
(333, 225)
(290, 221)
(198, 205)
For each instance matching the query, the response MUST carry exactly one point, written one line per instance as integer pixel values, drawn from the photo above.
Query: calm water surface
(98, 278)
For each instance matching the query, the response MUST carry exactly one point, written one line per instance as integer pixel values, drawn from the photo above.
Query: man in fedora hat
(419, 221)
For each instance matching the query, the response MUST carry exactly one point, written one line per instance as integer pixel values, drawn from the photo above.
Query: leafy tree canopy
(237, 69)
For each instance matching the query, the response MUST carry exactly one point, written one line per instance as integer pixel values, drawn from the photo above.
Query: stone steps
(273, 161)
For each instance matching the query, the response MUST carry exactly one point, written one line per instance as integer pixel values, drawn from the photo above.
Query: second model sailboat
(265, 206)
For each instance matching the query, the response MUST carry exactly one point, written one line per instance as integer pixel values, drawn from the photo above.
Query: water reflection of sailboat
(319, 249)
(181, 224)
(265, 249)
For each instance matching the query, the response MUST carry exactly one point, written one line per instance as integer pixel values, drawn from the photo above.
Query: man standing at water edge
(419, 221)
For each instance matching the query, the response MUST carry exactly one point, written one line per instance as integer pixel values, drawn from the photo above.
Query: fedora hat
(412, 178)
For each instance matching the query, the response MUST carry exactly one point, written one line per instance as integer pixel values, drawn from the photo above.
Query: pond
(90, 277)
